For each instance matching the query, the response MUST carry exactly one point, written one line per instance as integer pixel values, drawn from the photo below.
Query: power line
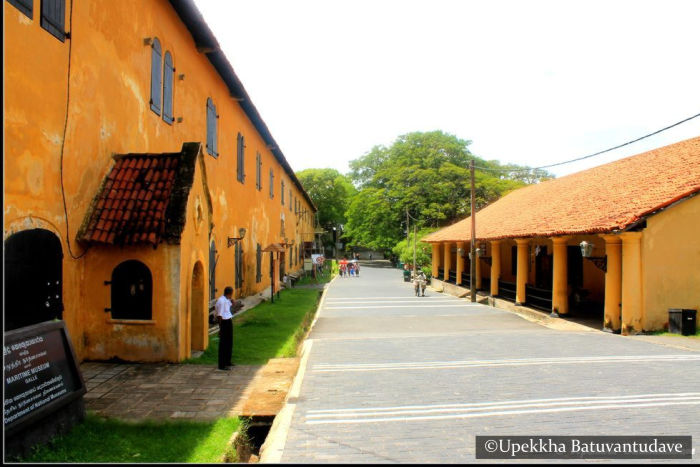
(590, 155)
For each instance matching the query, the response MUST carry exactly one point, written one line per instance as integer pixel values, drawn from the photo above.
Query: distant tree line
(426, 173)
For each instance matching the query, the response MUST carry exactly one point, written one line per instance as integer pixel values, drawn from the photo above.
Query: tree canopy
(426, 173)
(331, 192)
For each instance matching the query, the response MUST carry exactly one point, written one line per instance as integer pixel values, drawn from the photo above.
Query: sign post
(44, 387)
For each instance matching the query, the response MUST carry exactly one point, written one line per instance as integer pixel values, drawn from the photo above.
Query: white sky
(528, 82)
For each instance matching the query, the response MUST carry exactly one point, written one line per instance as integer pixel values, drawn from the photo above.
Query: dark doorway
(132, 291)
(238, 259)
(213, 258)
(543, 269)
(33, 278)
(574, 262)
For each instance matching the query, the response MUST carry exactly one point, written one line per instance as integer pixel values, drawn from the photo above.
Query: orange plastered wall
(109, 113)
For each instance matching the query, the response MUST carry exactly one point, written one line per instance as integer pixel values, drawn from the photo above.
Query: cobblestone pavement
(395, 378)
(167, 391)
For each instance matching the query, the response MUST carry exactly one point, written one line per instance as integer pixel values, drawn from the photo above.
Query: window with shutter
(25, 6)
(258, 171)
(272, 184)
(282, 191)
(258, 264)
(168, 72)
(239, 265)
(240, 159)
(212, 128)
(156, 75)
(290, 199)
(53, 18)
(132, 291)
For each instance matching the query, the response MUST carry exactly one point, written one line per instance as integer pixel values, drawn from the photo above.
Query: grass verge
(665, 333)
(270, 330)
(100, 440)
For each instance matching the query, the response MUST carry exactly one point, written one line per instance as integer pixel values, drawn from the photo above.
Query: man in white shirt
(224, 316)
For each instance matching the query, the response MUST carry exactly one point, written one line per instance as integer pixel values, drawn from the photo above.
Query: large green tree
(426, 173)
(331, 192)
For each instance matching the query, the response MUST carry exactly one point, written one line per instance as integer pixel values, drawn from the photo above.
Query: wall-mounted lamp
(148, 41)
(601, 262)
(232, 240)
(460, 251)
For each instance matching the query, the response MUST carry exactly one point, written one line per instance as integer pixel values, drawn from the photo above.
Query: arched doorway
(33, 278)
(198, 314)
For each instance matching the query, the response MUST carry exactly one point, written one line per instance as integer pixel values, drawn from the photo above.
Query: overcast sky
(528, 82)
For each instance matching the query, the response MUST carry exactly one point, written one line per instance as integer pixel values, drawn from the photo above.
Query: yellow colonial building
(620, 242)
(140, 179)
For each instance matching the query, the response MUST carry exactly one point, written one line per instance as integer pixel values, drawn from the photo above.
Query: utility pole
(474, 259)
(414, 249)
(407, 240)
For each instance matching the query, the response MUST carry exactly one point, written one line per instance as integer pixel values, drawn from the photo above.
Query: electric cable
(69, 36)
(528, 169)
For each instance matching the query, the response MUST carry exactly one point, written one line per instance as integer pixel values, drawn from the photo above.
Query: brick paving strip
(139, 391)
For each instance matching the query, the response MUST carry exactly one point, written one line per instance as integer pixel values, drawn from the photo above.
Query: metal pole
(407, 227)
(414, 248)
(474, 259)
(272, 278)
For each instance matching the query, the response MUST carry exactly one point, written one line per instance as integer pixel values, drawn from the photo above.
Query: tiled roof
(602, 199)
(140, 199)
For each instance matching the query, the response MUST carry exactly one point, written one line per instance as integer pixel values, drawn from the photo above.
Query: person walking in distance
(225, 319)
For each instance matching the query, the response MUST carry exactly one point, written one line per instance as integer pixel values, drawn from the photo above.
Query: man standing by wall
(225, 318)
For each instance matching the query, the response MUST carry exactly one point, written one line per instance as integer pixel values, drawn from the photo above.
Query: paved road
(395, 378)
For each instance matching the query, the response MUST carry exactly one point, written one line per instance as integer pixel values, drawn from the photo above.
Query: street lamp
(231, 241)
(335, 244)
(601, 262)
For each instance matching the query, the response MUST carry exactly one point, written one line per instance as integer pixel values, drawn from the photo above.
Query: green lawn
(664, 333)
(99, 440)
(270, 330)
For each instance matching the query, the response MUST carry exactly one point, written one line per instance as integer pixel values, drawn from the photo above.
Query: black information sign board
(41, 373)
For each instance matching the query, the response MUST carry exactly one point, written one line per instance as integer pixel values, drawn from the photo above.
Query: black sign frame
(17, 335)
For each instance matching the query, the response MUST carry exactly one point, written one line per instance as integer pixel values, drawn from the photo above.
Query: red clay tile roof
(139, 197)
(602, 199)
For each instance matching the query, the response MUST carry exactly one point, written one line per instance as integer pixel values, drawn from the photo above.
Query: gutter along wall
(109, 113)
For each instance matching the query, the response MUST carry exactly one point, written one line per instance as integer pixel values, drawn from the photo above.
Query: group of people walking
(349, 268)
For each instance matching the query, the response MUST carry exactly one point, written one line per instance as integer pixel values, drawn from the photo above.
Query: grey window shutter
(260, 172)
(211, 128)
(25, 6)
(53, 18)
(258, 264)
(156, 67)
(168, 72)
(242, 159)
(272, 184)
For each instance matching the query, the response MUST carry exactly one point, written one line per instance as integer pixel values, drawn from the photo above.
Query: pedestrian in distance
(224, 316)
(419, 281)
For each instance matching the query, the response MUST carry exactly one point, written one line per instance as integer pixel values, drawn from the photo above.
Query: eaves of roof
(206, 43)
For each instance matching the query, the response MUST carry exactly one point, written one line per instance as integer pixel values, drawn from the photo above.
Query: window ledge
(131, 321)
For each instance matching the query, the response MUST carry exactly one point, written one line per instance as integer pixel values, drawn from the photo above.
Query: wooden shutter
(156, 75)
(240, 159)
(211, 128)
(258, 264)
(53, 18)
(25, 6)
(272, 184)
(168, 72)
(258, 171)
